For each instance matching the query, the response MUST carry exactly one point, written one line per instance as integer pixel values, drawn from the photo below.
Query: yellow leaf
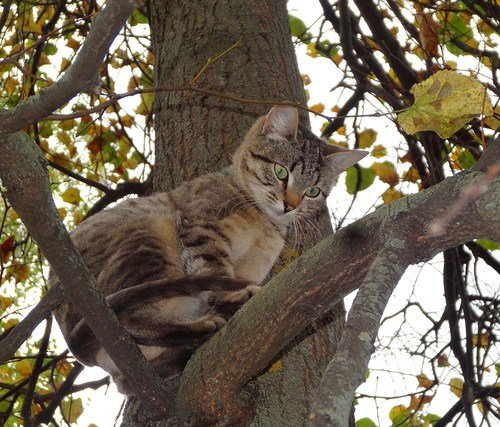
(71, 195)
(411, 175)
(396, 411)
(366, 138)
(456, 386)
(44, 59)
(5, 302)
(24, 367)
(317, 108)
(386, 172)
(63, 212)
(311, 50)
(423, 381)
(67, 124)
(64, 64)
(337, 59)
(10, 323)
(481, 340)
(13, 215)
(342, 130)
(305, 79)
(10, 85)
(276, 367)
(391, 194)
(64, 367)
(439, 104)
(20, 272)
(77, 217)
(73, 44)
(379, 151)
(127, 120)
(64, 138)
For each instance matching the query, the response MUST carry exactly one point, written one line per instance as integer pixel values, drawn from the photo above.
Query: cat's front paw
(227, 303)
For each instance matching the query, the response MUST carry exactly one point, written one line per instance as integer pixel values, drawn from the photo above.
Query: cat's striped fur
(175, 266)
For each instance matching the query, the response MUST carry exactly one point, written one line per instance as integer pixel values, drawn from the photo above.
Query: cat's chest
(255, 245)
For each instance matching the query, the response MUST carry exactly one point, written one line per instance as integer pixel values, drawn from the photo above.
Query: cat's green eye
(312, 191)
(280, 171)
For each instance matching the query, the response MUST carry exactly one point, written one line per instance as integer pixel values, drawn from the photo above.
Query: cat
(176, 266)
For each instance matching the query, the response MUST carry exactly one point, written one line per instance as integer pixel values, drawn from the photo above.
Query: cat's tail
(157, 290)
(131, 305)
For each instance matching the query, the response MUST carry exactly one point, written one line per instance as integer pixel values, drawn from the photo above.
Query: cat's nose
(288, 208)
(291, 202)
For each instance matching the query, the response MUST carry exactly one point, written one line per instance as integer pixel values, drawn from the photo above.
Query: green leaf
(365, 422)
(488, 244)
(456, 29)
(432, 418)
(367, 176)
(72, 409)
(465, 159)
(439, 104)
(50, 49)
(139, 17)
(297, 26)
(497, 369)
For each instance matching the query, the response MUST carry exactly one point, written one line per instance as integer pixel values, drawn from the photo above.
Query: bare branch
(22, 331)
(346, 370)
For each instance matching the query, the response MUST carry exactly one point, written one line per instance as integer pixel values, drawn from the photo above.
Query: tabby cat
(176, 266)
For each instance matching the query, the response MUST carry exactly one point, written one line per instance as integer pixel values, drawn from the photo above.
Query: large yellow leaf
(444, 103)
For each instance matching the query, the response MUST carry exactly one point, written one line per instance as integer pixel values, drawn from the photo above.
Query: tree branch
(347, 369)
(32, 188)
(22, 331)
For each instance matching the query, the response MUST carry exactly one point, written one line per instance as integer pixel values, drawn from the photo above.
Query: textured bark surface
(197, 134)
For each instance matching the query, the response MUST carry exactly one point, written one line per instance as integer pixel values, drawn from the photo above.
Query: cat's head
(286, 169)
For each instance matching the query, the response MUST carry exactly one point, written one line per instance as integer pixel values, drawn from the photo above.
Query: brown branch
(35, 373)
(390, 46)
(46, 415)
(22, 331)
(347, 369)
(75, 388)
(30, 189)
(121, 190)
(479, 252)
(334, 125)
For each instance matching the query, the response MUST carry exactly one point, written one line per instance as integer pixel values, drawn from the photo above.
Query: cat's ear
(340, 158)
(283, 120)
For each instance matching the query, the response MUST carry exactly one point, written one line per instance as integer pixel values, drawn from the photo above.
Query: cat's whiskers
(313, 229)
(236, 196)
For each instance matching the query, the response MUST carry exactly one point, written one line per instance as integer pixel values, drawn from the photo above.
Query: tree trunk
(196, 134)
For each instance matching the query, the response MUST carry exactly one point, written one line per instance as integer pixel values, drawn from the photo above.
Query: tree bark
(196, 134)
